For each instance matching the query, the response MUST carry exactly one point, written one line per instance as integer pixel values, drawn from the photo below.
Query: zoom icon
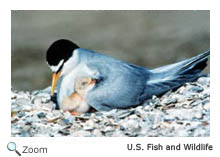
(12, 147)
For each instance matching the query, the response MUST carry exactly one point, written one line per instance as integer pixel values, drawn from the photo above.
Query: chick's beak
(55, 78)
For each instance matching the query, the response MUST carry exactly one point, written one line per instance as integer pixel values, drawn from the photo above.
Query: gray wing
(120, 85)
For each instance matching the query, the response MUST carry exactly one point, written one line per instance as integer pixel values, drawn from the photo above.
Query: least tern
(117, 84)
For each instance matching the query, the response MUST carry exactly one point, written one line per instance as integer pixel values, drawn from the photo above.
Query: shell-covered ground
(184, 112)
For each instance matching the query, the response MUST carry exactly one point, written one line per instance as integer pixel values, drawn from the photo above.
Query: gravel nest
(184, 112)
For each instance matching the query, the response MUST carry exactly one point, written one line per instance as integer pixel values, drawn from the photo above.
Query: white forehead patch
(55, 68)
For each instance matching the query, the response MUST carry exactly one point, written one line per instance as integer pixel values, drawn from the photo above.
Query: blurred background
(145, 38)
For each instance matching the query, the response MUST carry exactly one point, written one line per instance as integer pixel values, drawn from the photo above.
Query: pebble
(184, 112)
(204, 81)
(41, 115)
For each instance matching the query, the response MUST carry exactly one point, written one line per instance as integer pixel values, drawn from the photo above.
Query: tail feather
(172, 76)
(195, 64)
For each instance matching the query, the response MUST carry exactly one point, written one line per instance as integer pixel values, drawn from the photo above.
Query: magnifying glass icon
(12, 147)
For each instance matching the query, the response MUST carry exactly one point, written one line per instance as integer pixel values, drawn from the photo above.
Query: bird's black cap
(60, 49)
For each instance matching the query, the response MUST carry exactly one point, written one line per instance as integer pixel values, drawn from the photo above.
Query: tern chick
(76, 102)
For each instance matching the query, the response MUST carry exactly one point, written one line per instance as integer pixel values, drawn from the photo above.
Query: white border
(105, 146)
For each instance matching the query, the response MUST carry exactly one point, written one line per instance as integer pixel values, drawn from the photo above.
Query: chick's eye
(84, 83)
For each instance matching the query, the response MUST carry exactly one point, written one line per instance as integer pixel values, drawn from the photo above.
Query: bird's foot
(74, 113)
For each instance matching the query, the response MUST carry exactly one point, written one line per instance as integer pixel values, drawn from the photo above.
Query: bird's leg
(74, 113)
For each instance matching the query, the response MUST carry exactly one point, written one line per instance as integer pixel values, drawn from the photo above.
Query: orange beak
(55, 78)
